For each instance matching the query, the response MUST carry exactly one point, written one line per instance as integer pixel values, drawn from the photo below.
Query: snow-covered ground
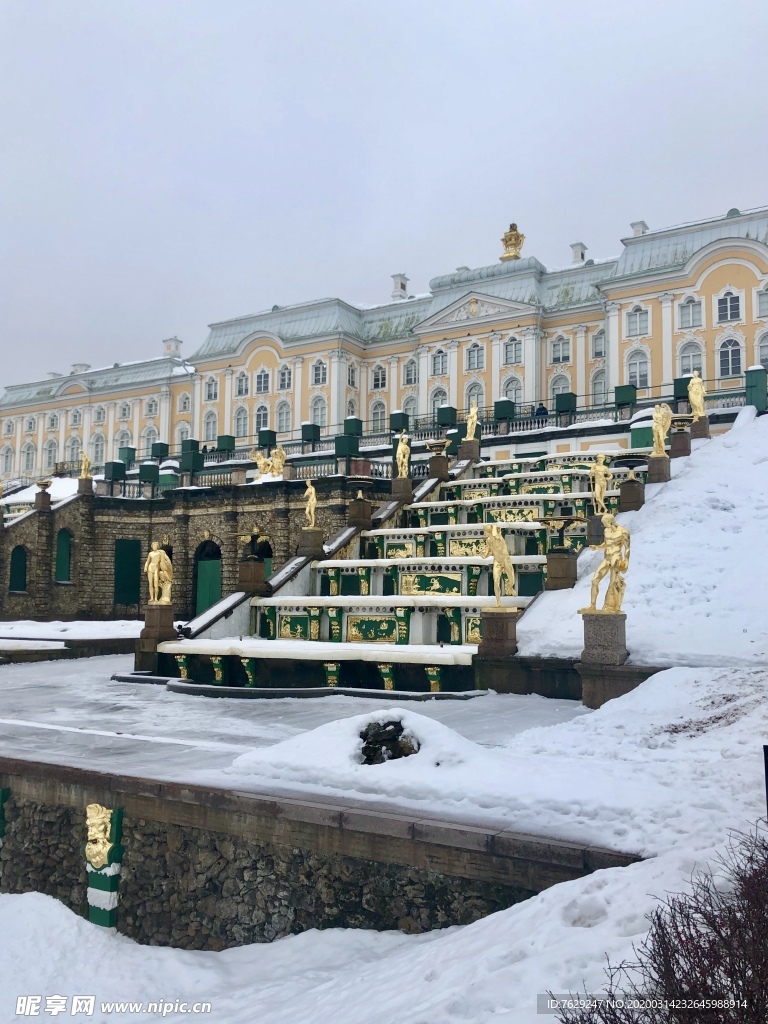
(83, 629)
(61, 487)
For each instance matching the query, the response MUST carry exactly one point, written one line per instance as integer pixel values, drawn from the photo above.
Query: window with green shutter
(63, 557)
(18, 581)
(127, 571)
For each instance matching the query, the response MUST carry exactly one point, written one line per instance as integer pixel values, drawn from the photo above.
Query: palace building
(674, 300)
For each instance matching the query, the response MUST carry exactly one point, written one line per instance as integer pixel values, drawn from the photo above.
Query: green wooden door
(208, 583)
(127, 571)
(18, 581)
(63, 556)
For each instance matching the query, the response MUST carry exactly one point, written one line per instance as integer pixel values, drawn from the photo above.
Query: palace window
(637, 322)
(763, 351)
(75, 418)
(513, 352)
(99, 448)
(598, 345)
(7, 460)
(318, 409)
(690, 313)
(475, 394)
(261, 419)
(284, 417)
(211, 389)
(561, 350)
(241, 385)
(351, 376)
(241, 422)
(99, 414)
(122, 440)
(30, 425)
(637, 369)
(728, 308)
(351, 408)
(72, 450)
(210, 426)
(125, 411)
(379, 378)
(50, 455)
(9, 427)
(475, 357)
(513, 390)
(182, 433)
(690, 358)
(184, 402)
(439, 363)
(599, 389)
(559, 386)
(730, 358)
(262, 382)
(411, 372)
(378, 418)
(53, 421)
(439, 399)
(285, 378)
(150, 438)
(762, 303)
(410, 408)
(152, 407)
(319, 375)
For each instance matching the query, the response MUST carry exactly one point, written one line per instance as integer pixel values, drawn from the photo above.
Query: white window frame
(124, 413)
(475, 357)
(261, 418)
(283, 410)
(242, 385)
(560, 351)
(50, 446)
(185, 402)
(210, 426)
(240, 412)
(515, 385)
(726, 346)
(30, 424)
(261, 381)
(53, 421)
(28, 455)
(411, 408)
(636, 355)
(513, 351)
(600, 333)
(562, 383)
(637, 322)
(439, 363)
(761, 303)
(433, 401)
(690, 304)
(379, 378)
(99, 414)
(762, 341)
(98, 441)
(284, 378)
(378, 417)
(351, 375)
(694, 349)
(411, 373)
(730, 294)
(600, 398)
(318, 411)
(152, 407)
(319, 373)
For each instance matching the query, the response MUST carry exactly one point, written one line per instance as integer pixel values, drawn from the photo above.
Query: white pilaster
(334, 368)
(453, 374)
(580, 359)
(19, 442)
(394, 384)
(229, 427)
(494, 391)
(62, 433)
(165, 414)
(39, 446)
(422, 354)
(137, 426)
(612, 358)
(109, 451)
(530, 365)
(87, 430)
(298, 395)
(197, 406)
(667, 361)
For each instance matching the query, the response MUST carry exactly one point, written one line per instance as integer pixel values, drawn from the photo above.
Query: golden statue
(496, 545)
(279, 455)
(696, 394)
(85, 466)
(513, 243)
(309, 508)
(599, 476)
(471, 422)
(98, 821)
(403, 456)
(616, 562)
(662, 420)
(159, 572)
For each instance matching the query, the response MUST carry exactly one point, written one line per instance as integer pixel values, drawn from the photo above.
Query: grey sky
(169, 163)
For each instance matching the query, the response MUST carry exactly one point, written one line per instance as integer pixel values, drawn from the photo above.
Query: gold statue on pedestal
(403, 456)
(311, 506)
(662, 421)
(85, 466)
(599, 477)
(696, 394)
(513, 243)
(265, 465)
(159, 572)
(279, 455)
(502, 563)
(471, 422)
(615, 562)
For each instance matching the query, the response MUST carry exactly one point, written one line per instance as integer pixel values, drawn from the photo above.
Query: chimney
(80, 368)
(639, 227)
(172, 347)
(578, 249)
(399, 287)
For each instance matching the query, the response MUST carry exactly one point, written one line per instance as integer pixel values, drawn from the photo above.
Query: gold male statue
(599, 476)
(159, 572)
(696, 395)
(616, 562)
(279, 455)
(496, 545)
(662, 420)
(98, 822)
(403, 456)
(471, 422)
(85, 466)
(309, 508)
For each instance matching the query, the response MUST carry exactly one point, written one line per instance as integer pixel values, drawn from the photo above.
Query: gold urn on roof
(513, 243)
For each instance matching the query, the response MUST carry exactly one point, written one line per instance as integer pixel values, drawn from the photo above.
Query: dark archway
(264, 553)
(18, 580)
(207, 576)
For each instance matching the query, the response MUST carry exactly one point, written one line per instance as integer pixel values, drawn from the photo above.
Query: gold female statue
(311, 506)
(159, 572)
(403, 456)
(471, 421)
(662, 420)
(696, 395)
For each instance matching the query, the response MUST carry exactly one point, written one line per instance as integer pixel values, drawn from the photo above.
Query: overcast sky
(169, 163)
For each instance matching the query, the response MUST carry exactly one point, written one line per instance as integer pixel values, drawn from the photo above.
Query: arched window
(18, 574)
(31, 424)
(285, 378)
(559, 386)
(53, 421)
(28, 458)
(475, 357)
(7, 460)
(690, 313)
(261, 382)
(599, 389)
(318, 410)
(50, 455)
(439, 363)
(211, 389)
(210, 426)
(150, 438)
(99, 414)
(182, 433)
(185, 402)
(637, 322)
(72, 450)
(351, 375)
(241, 386)
(98, 449)
(379, 377)
(378, 418)
(125, 411)
(241, 422)
(690, 358)
(730, 358)
(728, 308)
(63, 566)
(122, 440)
(319, 374)
(152, 407)
(513, 390)
(351, 407)
(284, 417)
(439, 399)
(475, 394)
(410, 408)
(637, 369)
(763, 350)
(261, 420)
(513, 351)
(411, 372)
(75, 418)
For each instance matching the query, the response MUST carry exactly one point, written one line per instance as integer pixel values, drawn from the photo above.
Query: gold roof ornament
(513, 243)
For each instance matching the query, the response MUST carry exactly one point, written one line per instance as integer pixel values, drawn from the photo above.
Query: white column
(137, 426)
(667, 361)
(298, 395)
(394, 384)
(40, 436)
(422, 354)
(530, 365)
(87, 430)
(580, 359)
(197, 406)
(109, 452)
(228, 425)
(453, 374)
(334, 368)
(19, 443)
(495, 382)
(612, 359)
(165, 414)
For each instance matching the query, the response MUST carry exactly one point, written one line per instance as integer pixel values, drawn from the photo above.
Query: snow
(88, 629)
(61, 487)
(30, 645)
(695, 545)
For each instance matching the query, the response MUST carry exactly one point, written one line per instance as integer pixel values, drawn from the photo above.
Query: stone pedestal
(631, 495)
(438, 468)
(359, 467)
(605, 640)
(289, 472)
(250, 577)
(499, 632)
(158, 626)
(43, 501)
(359, 513)
(658, 469)
(311, 542)
(85, 485)
(679, 444)
(469, 451)
(595, 531)
(402, 489)
(700, 429)
(238, 475)
(561, 569)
